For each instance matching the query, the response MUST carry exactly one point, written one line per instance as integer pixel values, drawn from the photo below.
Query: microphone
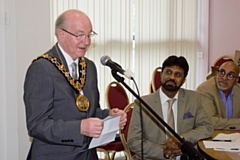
(106, 61)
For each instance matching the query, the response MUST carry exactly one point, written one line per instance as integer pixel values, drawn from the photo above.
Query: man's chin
(170, 88)
(81, 53)
(222, 87)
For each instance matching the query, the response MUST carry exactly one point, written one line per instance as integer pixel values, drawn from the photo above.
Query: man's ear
(60, 34)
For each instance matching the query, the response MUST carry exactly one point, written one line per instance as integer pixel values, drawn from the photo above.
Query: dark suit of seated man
(190, 119)
(220, 97)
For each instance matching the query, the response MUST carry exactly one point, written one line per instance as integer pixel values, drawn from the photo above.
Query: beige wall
(33, 37)
(224, 28)
(24, 35)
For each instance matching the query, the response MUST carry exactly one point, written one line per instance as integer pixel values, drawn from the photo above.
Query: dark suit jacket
(192, 124)
(214, 106)
(53, 119)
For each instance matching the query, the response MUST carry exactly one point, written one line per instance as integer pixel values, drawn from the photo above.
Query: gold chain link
(75, 83)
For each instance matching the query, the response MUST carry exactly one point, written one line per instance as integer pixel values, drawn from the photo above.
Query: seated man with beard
(186, 116)
(220, 97)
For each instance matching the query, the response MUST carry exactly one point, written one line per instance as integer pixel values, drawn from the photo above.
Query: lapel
(181, 109)
(158, 109)
(155, 105)
(221, 106)
(218, 100)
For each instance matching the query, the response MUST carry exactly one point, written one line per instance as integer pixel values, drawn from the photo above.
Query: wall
(8, 82)
(33, 39)
(27, 34)
(24, 34)
(224, 28)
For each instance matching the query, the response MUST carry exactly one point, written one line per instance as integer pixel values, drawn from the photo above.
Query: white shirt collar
(67, 57)
(164, 97)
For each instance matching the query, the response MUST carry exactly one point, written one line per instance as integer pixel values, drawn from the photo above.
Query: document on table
(224, 142)
(109, 132)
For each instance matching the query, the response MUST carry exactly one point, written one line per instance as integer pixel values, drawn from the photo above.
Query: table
(211, 154)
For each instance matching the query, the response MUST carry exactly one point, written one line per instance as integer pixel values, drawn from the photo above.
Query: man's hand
(91, 127)
(171, 148)
(123, 119)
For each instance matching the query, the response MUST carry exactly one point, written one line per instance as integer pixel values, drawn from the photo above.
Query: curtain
(139, 35)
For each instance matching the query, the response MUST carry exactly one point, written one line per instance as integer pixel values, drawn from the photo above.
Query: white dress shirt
(69, 61)
(164, 100)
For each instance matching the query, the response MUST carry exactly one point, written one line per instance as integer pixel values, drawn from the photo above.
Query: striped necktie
(74, 71)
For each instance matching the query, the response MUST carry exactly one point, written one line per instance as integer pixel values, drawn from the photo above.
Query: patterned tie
(170, 116)
(74, 71)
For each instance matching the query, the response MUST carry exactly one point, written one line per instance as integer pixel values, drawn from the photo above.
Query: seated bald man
(220, 97)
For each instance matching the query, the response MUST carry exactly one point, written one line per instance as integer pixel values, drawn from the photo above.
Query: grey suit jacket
(192, 124)
(214, 106)
(53, 119)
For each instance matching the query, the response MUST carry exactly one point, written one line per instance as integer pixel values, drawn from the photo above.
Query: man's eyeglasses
(222, 73)
(82, 36)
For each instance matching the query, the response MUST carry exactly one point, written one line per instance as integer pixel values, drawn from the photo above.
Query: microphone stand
(190, 153)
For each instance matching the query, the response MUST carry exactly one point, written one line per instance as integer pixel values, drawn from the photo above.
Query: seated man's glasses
(82, 36)
(230, 75)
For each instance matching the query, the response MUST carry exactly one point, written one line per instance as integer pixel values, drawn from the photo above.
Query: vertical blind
(137, 34)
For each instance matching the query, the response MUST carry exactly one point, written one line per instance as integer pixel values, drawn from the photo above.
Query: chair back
(237, 57)
(150, 87)
(124, 132)
(220, 60)
(116, 96)
(156, 79)
(213, 73)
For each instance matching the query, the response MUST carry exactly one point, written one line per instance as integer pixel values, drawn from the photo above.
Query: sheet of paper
(234, 137)
(222, 144)
(109, 132)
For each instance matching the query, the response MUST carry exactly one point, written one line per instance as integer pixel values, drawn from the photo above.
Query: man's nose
(172, 76)
(225, 76)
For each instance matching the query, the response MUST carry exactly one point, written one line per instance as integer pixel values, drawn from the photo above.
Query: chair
(110, 149)
(213, 72)
(220, 60)
(123, 133)
(150, 87)
(116, 97)
(237, 57)
(217, 63)
(156, 79)
(237, 60)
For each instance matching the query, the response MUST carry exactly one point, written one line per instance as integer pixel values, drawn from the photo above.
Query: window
(138, 34)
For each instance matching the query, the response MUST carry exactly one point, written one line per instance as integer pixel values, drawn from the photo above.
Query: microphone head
(105, 59)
